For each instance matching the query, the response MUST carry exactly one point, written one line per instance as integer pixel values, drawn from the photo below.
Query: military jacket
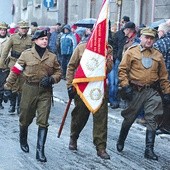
(75, 60)
(35, 68)
(131, 68)
(2, 44)
(18, 44)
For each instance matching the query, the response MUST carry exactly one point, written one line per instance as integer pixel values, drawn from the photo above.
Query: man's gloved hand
(47, 81)
(166, 99)
(126, 93)
(71, 92)
(7, 95)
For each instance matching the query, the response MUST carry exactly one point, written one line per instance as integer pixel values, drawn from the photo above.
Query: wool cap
(130, 25)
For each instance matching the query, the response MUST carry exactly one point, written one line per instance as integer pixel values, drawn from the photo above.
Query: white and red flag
(90, 77)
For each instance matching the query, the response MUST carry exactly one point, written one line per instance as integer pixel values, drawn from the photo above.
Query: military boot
(42, 134)
(1, 100)
(150, 140)
(12, 103)
(103, 154)
(23, 138)
(122, 137)
(73, 144)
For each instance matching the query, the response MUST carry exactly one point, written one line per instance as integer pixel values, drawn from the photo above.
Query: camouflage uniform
(80, 113)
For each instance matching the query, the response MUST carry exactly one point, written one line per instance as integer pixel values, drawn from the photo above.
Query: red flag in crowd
(90, 77)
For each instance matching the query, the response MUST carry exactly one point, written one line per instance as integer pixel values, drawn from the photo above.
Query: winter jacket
(119, 41)
(163, 45)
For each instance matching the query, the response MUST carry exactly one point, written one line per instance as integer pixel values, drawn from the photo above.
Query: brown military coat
(131, 68)
(2, 45)
(15, 43)
(35, 68)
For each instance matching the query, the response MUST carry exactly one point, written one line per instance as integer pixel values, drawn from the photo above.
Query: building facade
(70, 11)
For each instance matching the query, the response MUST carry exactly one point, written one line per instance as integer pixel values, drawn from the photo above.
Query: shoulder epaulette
(133, 46)
(29, 49)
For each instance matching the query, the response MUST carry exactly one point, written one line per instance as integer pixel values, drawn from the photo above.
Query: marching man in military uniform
(80, 113)
(40, 69)
(4, 71)
(16, 44)
(141, 72)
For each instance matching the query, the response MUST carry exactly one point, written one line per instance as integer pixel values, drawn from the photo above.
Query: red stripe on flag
(16, 70)
(79, 73)
(82, 86)
(98, 39)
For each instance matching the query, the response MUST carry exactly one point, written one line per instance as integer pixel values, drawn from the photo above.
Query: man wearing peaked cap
(142, 73)
(12, 50)
(39, 34)
(23, 24)
(3, 25)
(41, 70)
(149, 31)
(4, 71)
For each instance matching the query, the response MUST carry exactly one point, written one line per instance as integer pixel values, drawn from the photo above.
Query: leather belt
(32, 83)
(140, 88)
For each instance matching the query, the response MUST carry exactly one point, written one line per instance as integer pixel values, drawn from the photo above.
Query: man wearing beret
(16, 44)
(142, 72)
(40, 69)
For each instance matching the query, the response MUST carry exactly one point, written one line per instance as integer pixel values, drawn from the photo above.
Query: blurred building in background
(49, 12)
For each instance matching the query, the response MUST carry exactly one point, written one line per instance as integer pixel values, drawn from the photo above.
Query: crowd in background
(64, 38)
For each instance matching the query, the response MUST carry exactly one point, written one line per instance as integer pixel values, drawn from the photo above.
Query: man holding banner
(86, 82)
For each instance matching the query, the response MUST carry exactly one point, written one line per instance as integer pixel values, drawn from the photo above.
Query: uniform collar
(144, 49)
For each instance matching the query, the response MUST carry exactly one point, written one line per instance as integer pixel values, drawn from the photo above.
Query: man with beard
(16, 44)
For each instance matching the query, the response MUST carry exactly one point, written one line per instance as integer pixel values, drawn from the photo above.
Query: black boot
(42, 134)
(23, 138)
(73, 144)
(150, 139)
(1, 99)
(12, 103)
(122, 137)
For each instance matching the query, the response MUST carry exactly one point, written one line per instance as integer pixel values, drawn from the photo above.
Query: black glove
(126, 93)
(166, 99)
(7, 95)
(47, 81)
(71, 92)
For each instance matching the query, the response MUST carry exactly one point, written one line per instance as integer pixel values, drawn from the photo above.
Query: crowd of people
(32, 59)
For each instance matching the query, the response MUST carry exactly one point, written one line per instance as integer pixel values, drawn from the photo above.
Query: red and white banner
(90, 76)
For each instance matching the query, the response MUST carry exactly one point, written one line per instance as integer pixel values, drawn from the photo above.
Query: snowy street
(59, 157)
